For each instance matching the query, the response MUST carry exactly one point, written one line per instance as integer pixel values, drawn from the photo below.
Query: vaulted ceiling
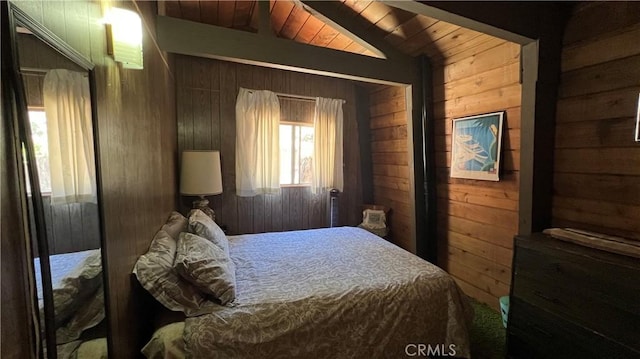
(410, 33)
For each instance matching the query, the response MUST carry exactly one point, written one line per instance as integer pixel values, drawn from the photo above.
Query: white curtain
(257, 143)
(67, 105)
(327, 146)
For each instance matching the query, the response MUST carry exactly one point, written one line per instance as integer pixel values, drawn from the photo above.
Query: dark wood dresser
(571, 301)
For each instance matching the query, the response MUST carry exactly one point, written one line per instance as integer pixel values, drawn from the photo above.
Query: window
(296, 153)
(38, 121)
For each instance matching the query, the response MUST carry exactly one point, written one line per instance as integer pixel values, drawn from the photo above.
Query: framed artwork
(475, 146)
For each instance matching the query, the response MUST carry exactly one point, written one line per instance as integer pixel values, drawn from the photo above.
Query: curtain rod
(298, 97)
(35, 70)
(295, 97)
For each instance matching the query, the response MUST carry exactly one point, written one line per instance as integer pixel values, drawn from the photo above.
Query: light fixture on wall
(200, 175)
(124, 37)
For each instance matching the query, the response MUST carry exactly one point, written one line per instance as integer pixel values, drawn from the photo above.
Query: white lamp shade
(200, 174)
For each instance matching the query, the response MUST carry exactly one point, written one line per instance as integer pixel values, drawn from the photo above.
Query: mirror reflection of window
(38, 121)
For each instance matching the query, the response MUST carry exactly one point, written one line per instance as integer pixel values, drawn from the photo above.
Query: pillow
(207, 266)
(155, 273)
(94, 348)
(166, 342)
(176, 224)
(373, 219)
(202, 225)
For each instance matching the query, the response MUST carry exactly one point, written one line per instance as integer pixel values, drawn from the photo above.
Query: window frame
(40, 109)
(296, 123)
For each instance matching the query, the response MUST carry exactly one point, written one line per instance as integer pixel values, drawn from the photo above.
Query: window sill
(44, 194)
(295, 185)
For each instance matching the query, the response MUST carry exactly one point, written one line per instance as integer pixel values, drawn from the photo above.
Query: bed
(78, 298)
(324, 293)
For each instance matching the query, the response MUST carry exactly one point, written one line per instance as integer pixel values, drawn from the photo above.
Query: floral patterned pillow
(155, 273)
(203, 226)
(207, 266)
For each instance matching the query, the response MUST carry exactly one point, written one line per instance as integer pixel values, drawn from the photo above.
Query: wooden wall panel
(206, 97)
(391, 162)
(478, 219)
(70, 227)
(596, 164)
(137, 147)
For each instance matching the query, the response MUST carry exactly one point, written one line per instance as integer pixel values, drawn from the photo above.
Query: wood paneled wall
(478, 219)
(33, 83)
(36, 55)
(70, 227)
(206, 97)
(137, 142)
(597, 163)
(391, 161)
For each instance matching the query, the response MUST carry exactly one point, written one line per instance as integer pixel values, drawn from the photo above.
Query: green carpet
(488, 336)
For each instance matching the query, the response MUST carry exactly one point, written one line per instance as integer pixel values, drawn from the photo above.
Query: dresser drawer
(536, 333)
(568, 289)
(611, 278)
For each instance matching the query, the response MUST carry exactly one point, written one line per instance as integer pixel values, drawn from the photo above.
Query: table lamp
(200, 175)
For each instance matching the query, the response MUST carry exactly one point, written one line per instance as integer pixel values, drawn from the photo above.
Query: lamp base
(203, 205)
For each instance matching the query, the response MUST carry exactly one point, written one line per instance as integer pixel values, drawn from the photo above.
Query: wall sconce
(124, 37)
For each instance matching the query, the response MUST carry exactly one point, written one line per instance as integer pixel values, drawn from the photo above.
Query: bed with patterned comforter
(331, 293)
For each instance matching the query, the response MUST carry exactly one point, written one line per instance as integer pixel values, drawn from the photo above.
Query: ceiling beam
(197, 39)
(508, 33)
(330, 13)
(264, 18)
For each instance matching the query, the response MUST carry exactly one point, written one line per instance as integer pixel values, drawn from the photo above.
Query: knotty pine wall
(478, 219)
(137, 147)
(597, 163)
(206, 98)
(391, 161)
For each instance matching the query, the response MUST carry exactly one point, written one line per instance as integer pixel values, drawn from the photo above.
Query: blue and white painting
(475, 147)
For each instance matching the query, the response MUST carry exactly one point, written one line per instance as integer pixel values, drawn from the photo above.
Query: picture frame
(476, 144)
(637, 137)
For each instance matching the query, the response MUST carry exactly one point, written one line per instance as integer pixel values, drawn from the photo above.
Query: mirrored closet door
(58, 138)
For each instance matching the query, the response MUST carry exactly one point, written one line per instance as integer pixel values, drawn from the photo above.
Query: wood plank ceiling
(410, 33)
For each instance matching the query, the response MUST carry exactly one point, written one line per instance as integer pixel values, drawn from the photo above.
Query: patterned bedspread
(78, 299)
(62, 265)
(331, 293)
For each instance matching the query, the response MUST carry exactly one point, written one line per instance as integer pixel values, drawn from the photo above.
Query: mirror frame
(17, 17)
